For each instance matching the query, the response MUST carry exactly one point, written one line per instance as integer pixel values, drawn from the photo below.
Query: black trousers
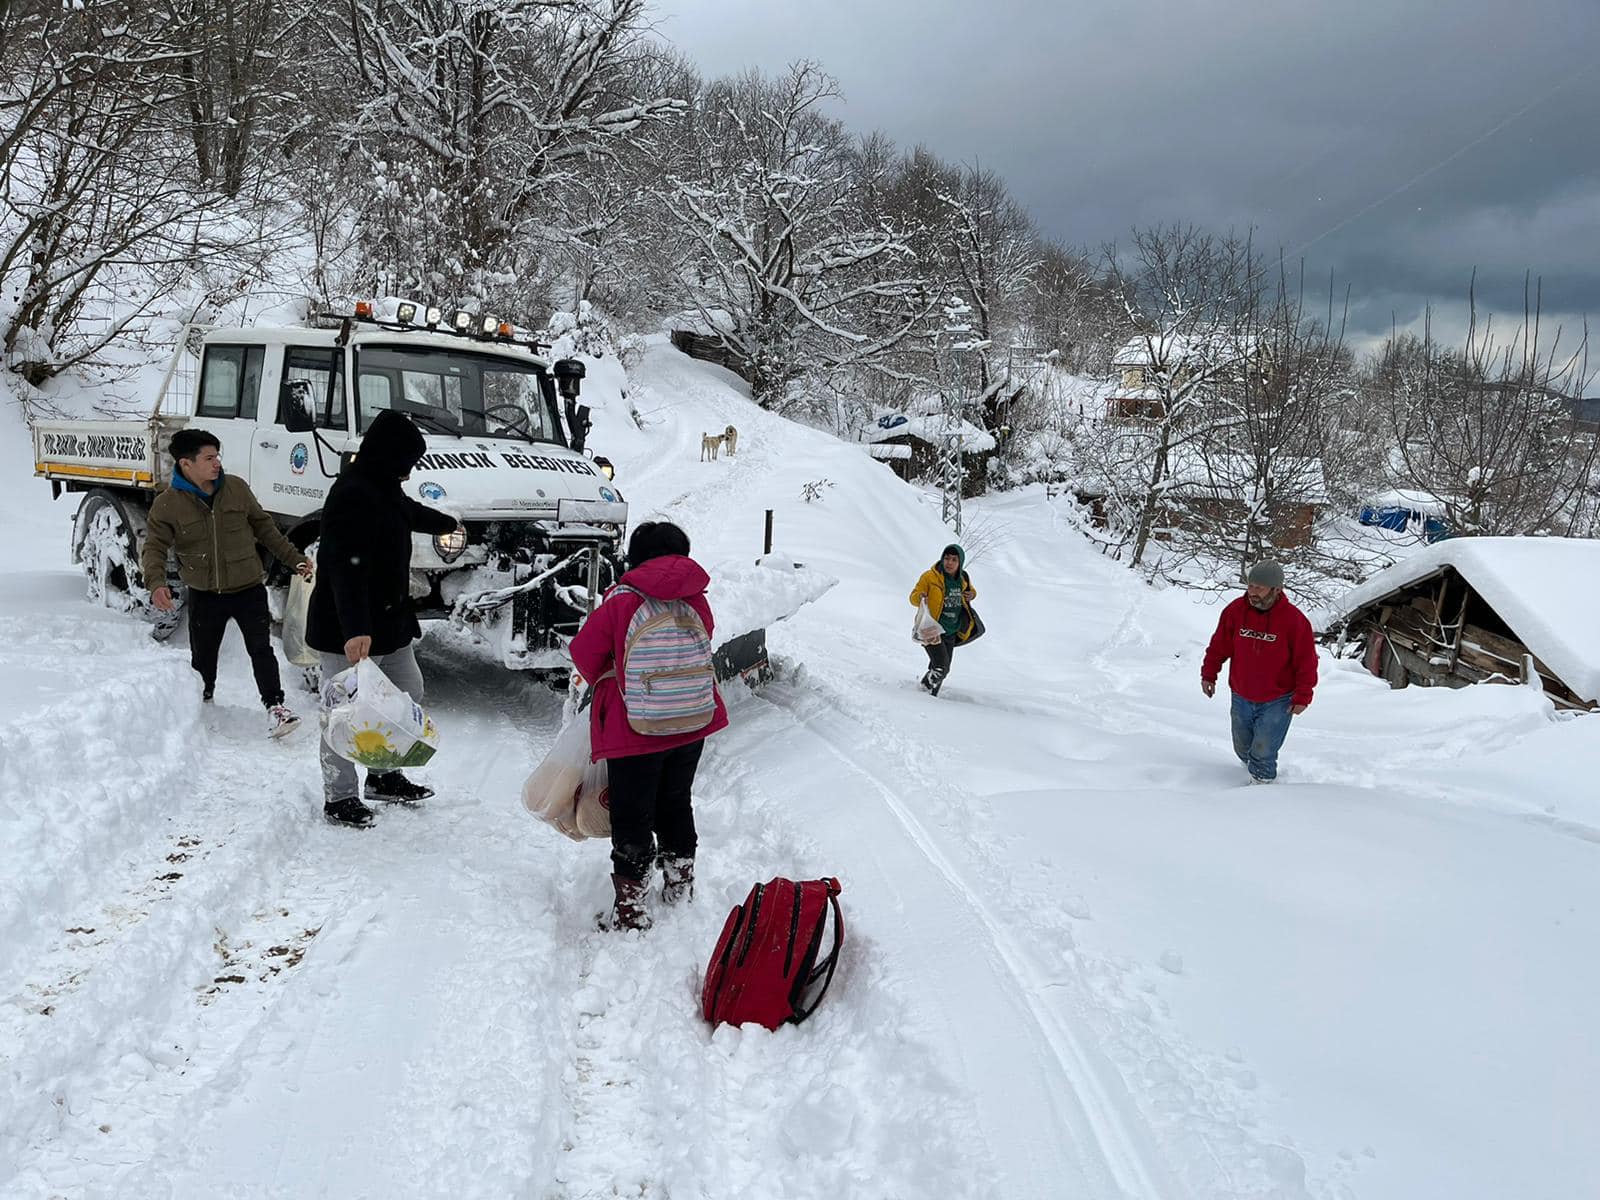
(941, 652)
(652, 809)
(209, 614)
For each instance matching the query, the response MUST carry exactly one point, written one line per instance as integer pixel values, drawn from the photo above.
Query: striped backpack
(667, 680)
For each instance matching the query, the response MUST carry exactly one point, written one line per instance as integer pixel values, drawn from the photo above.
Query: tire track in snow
(172, 1045)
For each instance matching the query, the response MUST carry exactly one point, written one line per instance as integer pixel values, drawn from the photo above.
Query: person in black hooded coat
(361, 605)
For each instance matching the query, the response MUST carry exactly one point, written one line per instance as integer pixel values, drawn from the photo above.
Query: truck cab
(541, 519)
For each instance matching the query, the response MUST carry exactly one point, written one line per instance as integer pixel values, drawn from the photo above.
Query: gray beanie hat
(1266, 573)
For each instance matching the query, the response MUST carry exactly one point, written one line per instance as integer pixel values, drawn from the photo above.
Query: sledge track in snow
(1105, 1116)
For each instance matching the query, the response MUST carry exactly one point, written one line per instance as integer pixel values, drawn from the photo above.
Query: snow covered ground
(1083, 959)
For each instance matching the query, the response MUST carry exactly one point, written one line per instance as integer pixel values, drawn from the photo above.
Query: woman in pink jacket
(651, 775)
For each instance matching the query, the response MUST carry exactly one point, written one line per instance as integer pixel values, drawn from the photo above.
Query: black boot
(628, 911)
(348, 811)
(394, 788)
(677, 878)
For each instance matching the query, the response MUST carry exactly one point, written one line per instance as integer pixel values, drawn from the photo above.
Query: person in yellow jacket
(948, 593)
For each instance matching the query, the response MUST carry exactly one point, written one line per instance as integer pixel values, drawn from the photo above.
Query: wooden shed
(1475, 610)
(707, 347)
(910, 443)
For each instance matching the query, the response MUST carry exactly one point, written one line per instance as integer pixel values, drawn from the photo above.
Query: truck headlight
(605, 466)
(450, 546)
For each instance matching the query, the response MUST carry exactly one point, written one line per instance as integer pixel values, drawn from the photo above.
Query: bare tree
(234, 79)
(1189, 295)
(993, 256)
(1495, 432)
(1075, 311)
(472, 116)
(100, 217)
(784, 269)
(1263, 477)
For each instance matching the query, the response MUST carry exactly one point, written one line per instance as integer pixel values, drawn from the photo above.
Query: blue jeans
(1258, 733)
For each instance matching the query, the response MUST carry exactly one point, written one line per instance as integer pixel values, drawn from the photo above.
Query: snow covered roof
(928, 427)
(1412, 501)
(708, 323)
(885, 453)
(1216, 476)
(1147, 349)
(1543, 588)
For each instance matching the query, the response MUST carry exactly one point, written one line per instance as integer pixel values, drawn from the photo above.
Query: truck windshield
(469, 394)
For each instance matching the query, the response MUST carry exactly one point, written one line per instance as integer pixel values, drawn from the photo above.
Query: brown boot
(677, 879)
(628, 911)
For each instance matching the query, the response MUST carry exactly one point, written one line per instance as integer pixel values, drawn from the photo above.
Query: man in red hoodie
(1273, 668)
(651, 775)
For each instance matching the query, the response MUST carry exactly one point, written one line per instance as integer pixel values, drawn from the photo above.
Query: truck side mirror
(299, 409)
(569, 373)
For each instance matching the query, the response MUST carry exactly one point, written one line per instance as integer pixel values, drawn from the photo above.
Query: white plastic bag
(924, 628)
(372, 722)
(295, 613)
(567, 790)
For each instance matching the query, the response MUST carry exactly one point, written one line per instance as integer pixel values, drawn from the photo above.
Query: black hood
(391, 447)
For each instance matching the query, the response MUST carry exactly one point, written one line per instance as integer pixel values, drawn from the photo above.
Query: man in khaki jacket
(214, 522)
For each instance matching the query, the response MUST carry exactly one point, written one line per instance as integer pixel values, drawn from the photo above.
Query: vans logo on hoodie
(1260, 635)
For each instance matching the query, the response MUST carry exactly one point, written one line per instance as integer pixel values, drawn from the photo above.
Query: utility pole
(957, 346)
(952, 470)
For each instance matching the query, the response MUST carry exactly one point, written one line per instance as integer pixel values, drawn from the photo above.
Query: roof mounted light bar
(460, 322)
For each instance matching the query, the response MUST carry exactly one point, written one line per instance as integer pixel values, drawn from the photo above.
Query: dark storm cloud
(1396, 144)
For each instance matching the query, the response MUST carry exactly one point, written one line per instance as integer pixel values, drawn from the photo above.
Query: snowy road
(1083, 959)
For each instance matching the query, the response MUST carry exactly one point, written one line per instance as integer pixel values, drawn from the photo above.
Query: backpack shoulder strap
(612, 673)
(824, 970)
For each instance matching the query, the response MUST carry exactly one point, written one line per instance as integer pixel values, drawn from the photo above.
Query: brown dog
(730, 439)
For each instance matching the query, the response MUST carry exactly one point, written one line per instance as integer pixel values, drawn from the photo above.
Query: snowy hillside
(1082, 960)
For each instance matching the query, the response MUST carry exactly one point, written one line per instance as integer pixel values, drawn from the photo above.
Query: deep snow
(1083, 959)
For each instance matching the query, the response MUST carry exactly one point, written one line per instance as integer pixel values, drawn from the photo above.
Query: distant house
(910, 443)
(1202, 490)
(1150, 366)
(1471, 610)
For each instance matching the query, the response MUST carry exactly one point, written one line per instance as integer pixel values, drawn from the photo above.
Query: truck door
(287, 468)
(230, 395)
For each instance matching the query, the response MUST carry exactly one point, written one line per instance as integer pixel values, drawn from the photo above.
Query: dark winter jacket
(931, 587)
(363, 577)
(215, 537)
(602, 642)
(1272, 654)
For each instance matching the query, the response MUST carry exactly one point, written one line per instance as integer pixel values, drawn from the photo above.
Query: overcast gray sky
(1396, 143)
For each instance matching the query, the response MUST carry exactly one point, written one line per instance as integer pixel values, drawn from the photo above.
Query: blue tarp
(1400, 519)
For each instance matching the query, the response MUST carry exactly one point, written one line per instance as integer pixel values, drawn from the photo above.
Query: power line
(1447, 160)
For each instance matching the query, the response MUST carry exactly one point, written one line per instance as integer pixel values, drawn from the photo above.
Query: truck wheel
(105, 541)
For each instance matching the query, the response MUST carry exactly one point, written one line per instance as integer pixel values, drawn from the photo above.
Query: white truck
(505, 430)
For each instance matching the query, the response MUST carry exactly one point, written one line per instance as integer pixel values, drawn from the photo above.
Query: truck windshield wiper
(435, 422)
(505, 426)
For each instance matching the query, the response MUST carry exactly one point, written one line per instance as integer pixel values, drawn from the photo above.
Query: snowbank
(745, 598)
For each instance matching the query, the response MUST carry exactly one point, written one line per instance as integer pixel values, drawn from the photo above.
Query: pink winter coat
(600, 644)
